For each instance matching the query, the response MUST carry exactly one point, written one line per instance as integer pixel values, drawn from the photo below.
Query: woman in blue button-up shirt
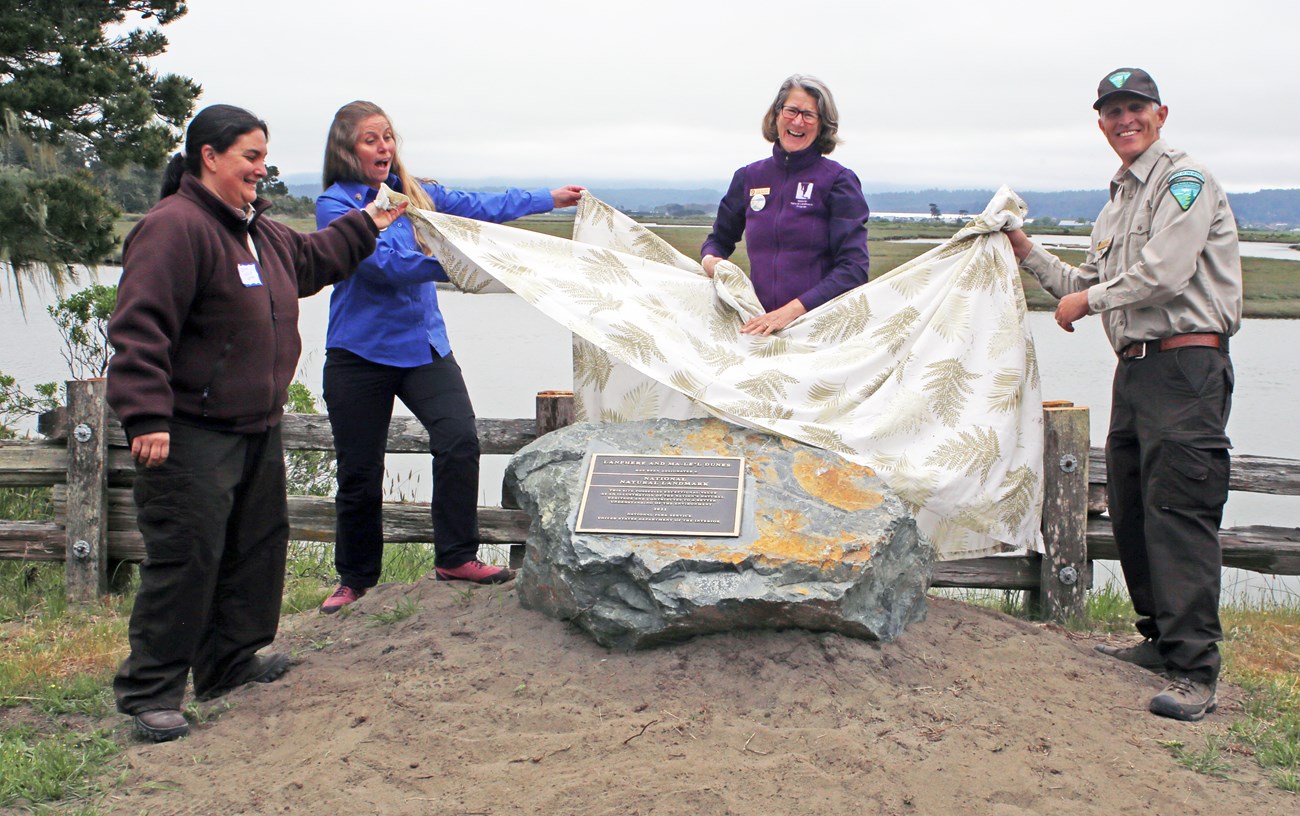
(386, 340)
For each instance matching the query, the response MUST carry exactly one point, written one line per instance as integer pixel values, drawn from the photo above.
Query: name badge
(248, 275)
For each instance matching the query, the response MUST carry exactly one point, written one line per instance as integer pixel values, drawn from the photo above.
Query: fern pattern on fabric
(927, 374)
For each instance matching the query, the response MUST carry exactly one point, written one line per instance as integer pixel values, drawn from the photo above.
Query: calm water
(509, 352)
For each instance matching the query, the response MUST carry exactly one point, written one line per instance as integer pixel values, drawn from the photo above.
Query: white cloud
(942, 93)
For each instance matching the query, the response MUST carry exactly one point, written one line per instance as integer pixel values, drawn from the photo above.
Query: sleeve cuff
(145, 425)
(545, 201)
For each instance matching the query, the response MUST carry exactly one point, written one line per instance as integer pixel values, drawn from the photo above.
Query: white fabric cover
(926, 374)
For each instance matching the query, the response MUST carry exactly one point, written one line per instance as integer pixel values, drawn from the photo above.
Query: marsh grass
(1272, 287)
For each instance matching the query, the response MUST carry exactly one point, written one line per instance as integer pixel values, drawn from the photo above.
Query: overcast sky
(931, 94)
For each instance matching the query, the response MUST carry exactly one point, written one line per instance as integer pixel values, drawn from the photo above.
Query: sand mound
(473, 705)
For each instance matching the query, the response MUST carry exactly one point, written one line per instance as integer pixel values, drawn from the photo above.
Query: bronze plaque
(662, 495)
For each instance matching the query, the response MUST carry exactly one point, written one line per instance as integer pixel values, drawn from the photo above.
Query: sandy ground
(473, 705)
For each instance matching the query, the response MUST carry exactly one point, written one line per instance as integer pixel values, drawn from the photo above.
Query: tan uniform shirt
(1156, 268)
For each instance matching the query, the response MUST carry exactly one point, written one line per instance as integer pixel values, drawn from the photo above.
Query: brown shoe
(265, 668)
(1185, 699)
(1144, 654)
(161, 725)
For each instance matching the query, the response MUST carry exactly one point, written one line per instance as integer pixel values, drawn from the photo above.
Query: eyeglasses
(791, 112)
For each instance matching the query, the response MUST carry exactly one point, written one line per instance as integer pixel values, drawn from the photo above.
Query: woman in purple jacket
(803, 216)
(387, 340)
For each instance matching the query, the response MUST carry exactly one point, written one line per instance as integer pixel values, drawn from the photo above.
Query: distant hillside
(635, 199)
(1266, 208)
(1075, 204)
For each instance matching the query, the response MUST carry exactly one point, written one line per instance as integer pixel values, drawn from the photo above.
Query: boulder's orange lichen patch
(712, 436)
(859, 554)
(839, 485)
(760, 467)
(783, 538)
(724, 550)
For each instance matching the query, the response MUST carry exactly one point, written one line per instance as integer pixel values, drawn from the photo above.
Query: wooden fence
(84, 457)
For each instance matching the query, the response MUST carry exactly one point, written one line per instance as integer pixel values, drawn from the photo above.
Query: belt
(1136, 351)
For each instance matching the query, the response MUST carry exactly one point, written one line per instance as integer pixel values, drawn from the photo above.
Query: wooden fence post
(554, 411)
(1066, 572)
(87, 516)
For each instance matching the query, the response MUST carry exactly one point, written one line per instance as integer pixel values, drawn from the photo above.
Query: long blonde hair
(342, 164)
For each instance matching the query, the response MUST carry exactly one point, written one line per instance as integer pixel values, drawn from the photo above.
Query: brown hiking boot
(1185, 699)
(1144, 654)
(265, 668)
(161, 725)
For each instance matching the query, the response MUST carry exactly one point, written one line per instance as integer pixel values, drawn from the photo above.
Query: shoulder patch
(1185, 186)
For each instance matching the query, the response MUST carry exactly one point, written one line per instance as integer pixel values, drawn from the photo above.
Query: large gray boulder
(824, 544)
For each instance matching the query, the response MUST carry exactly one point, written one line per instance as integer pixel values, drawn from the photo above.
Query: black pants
(359, 395)
(215, 525)
(1167, 468)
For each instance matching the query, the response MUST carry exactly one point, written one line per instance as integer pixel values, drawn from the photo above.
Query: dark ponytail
(217, 125)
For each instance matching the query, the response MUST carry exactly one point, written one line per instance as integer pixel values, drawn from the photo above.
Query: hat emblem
(1119, 78)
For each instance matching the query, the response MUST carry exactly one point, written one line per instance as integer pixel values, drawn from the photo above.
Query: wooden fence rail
(85, 459)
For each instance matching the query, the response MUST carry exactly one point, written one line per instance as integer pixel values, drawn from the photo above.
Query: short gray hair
(829, 126)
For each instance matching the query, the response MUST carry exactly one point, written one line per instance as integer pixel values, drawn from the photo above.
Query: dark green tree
(277, 192)
(272, 186)
(132, 189)
(76, 92)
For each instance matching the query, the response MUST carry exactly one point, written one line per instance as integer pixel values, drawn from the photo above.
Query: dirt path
(474, 705)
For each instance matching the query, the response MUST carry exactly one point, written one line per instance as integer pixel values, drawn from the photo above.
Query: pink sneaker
(475, 571)
(342, 596)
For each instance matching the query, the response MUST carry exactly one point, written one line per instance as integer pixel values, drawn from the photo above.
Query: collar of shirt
(361, 194)
(798, 160)
(1144, 164)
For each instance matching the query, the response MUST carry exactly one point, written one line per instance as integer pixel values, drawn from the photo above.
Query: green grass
(56, 663)
(403, 609)
(1259, 655)
(1208, 760)
(38, 768)
(26, 503)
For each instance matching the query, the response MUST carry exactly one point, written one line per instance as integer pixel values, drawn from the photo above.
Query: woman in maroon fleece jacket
(206, 339)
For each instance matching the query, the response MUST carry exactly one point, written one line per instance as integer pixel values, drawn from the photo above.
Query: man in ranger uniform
(1164, 273)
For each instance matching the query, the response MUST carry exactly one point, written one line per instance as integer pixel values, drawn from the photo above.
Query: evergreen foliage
(77, 95)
